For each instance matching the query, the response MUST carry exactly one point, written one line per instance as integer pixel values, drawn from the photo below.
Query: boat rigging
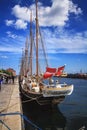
(38, 86)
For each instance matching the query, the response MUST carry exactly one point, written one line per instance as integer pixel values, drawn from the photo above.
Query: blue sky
(63, 25)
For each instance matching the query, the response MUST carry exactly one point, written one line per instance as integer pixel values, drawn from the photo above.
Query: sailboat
(40, 87)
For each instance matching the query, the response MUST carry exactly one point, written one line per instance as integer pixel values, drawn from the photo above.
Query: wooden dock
(10, 103)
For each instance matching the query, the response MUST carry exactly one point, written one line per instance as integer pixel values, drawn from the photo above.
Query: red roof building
(12, 71)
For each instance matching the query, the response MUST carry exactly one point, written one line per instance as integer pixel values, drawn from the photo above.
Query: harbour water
(71, 114)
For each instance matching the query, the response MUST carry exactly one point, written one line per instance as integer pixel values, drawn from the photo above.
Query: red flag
(47, 75)
(50, 70)
(60, 70)
(53, 71)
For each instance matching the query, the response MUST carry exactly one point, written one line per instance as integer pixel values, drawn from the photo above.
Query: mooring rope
(31, 98)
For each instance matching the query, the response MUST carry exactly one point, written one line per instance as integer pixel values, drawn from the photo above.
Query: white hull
(55, 92)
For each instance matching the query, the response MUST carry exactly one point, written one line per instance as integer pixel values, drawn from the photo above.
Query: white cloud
(11, 35)
(10, 44)
(58, 41)
(63, 42)
(21, 12)
(56, 15)
(13, 49)
(4, 57)
(20, 24)
(74, 8)
(9, 22)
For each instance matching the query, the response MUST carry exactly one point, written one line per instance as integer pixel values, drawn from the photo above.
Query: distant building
(12, 71)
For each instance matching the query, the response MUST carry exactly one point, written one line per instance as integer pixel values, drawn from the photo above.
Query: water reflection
(47, 118)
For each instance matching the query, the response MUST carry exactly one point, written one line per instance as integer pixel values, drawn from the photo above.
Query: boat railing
(53, 85)
(22, 116)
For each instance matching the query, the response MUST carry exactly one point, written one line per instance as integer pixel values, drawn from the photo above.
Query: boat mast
(26, 55)
(36, 39)
(31, 43)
